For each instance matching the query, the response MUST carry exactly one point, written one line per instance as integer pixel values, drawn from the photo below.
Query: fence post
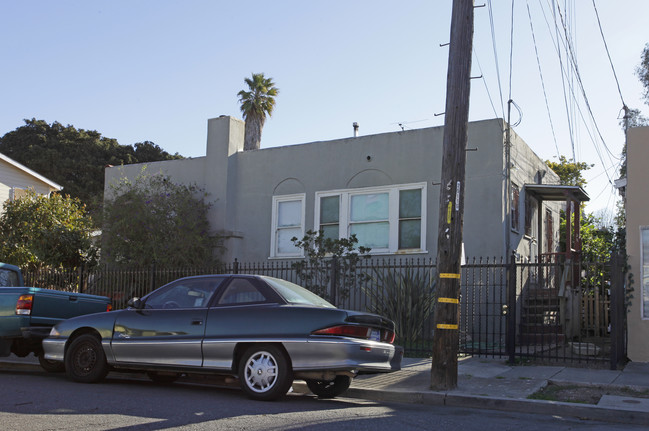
(510, 334)
(334, 280)
(618, 311)
(80, 282)
(235, 266)
(152, 286)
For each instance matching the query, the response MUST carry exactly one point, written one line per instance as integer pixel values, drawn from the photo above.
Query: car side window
(184, 294)
(241, 291)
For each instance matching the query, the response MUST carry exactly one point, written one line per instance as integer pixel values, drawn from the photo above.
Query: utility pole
(451, 198)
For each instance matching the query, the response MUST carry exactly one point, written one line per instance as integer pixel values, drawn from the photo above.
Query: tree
(643, 72)
(38, 231)
(153, 220)
(256, 103)
(569, 171)
(74, 158)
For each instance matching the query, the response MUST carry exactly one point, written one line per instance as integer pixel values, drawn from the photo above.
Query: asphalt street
(39, 401)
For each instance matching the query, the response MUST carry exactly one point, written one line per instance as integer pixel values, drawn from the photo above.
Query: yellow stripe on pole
(445, 326)
(447, 275)
(449, 300)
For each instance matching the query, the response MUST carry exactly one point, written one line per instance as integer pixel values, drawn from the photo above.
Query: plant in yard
(326, 258)
(405, 296)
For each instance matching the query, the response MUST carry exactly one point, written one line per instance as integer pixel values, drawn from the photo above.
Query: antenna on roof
(404, 124)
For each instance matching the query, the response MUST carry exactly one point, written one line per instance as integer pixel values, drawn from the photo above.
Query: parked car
(27, 314)
(263, 330)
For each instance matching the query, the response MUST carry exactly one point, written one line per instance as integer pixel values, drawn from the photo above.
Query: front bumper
(54, 349)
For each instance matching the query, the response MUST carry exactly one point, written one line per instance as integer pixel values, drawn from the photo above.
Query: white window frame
(274, 252)
(344, 222)
(644, 308)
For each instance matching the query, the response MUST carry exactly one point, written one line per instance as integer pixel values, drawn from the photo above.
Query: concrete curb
(555, 408)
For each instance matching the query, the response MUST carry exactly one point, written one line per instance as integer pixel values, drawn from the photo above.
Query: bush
(405, 296)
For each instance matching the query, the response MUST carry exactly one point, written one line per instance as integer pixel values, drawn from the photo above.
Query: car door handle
(197, 322)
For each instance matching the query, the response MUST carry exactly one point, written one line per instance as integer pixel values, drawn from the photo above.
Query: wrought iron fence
(524, 311)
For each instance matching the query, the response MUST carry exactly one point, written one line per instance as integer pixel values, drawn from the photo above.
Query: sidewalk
(492, 384)
(489, 384)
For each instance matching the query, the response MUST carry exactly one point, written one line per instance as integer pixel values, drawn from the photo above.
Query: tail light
(24, 304)
(356, 331)
(109, 307)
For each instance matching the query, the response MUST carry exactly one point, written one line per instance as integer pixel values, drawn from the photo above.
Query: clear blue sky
(157, 69)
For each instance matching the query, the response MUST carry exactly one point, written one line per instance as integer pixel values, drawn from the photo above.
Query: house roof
(555, 192)
(28, 171)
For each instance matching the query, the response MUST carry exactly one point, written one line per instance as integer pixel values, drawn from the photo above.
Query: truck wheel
(51, 366)
(331, 389)
(85, 360)
(265, 373)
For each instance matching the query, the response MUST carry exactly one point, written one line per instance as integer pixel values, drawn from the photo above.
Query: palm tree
(255, 104)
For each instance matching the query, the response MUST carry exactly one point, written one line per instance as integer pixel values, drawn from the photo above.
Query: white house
(16, 179)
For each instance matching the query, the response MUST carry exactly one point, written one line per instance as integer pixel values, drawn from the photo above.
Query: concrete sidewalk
(488, 384)
(492, 384)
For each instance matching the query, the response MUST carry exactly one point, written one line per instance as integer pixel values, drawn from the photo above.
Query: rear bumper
(344, 354)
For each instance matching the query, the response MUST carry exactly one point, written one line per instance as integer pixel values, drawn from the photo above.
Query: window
(644, 256)
(530, 208)
(241, 291)
(189, 293)
(288, 222)
(386, 219)
(549, 231)
(515, 207)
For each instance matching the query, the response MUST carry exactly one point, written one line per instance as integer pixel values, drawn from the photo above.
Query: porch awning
(555, 192)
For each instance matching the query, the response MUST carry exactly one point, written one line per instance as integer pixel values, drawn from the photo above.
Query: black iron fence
(522, 311)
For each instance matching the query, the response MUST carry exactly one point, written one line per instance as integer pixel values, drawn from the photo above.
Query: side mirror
(135, 303)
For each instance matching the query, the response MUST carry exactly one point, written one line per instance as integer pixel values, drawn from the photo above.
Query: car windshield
(295, 294)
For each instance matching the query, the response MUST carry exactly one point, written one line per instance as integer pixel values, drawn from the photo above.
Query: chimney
(355, 129)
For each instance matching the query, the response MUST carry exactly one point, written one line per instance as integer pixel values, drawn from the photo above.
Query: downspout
(508, 191)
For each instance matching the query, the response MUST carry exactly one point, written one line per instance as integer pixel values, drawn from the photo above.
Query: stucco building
(637, 234)
(384, 188)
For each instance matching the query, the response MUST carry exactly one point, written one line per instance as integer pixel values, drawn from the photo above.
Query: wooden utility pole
(451, 198)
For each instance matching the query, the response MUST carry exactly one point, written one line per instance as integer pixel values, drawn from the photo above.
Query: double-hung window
(386, 219)
(288, 222)
(644, 269)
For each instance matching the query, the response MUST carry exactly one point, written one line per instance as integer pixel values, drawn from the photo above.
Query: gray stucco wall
(241, 185)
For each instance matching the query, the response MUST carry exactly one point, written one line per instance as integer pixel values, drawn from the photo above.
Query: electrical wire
(617, 82)
(545, 95)
(494, 45)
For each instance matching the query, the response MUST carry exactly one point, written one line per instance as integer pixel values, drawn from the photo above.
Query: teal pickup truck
(27, 314)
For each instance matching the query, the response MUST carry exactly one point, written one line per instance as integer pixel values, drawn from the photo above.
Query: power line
(494, 45)
(617, 82)
(545, 96)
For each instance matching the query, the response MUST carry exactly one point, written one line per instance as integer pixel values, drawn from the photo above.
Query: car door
(169, 329)
(237, 315)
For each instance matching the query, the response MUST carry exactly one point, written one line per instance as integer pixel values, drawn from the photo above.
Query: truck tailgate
(52, 306)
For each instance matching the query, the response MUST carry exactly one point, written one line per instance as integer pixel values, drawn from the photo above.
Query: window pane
(409, 203)
(645, 272)
(409, 234)
(369, 207)
(330, 231)
(329, 209)
(289, 213)
(284, 243)
(373, 235)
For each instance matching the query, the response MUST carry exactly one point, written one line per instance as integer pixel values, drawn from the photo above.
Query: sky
(157, 70)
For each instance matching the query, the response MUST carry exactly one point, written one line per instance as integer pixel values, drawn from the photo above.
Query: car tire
(265, 372)
(51, 366)
(85, 360)
(162, 378)
(329, 389)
